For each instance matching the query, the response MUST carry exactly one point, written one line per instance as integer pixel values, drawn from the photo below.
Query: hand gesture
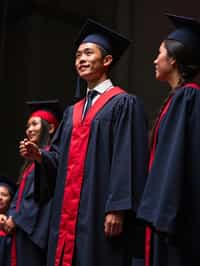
(30, 150)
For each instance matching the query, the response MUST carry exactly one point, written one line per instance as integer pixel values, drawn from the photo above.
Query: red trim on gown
(27, 171)
(13, 261)
(148, 232)
(75, 174)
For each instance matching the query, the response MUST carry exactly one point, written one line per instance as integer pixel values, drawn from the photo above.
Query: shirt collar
(103, 86)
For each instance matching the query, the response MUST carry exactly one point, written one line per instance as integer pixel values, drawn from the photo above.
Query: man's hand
(30, 151)
(113, 224)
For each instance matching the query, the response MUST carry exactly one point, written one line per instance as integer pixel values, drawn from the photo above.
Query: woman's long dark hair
(44, 141)
(188, 65)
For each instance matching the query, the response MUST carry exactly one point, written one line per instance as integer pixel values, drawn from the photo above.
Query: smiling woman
(34, 128)
(170, 202)
(29, 219)
(163, 64)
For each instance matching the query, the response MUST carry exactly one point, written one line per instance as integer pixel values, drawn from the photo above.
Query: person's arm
(46, 167)
(124, 174)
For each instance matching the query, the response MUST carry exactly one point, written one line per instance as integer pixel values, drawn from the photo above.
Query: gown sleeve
(46, 172)
(130, 155)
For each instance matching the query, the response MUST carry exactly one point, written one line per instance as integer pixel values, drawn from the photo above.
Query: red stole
(28, 170)
(13, 261)
(148, 233)
(2, 233)
(74, 176)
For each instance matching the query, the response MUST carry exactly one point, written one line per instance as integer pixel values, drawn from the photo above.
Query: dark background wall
(37, 57)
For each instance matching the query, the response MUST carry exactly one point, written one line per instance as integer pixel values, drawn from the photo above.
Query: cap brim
(49, 105)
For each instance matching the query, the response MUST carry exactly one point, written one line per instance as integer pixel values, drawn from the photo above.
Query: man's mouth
(83, 67)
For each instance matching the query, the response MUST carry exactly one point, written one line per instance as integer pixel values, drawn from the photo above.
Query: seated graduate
(7, 191)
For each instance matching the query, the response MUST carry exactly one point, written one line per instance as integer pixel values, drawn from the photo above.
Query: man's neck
(93, 83)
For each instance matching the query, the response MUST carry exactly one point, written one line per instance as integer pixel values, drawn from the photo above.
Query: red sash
(13, 261)
(29, 169)
(2, 233)
(22, 185)
(148, 234)
(74, 177)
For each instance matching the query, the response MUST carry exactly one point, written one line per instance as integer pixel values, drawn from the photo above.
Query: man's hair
(104, 53)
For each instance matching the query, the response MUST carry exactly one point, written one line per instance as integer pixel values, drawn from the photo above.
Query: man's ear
(51, 128)
(107, 61)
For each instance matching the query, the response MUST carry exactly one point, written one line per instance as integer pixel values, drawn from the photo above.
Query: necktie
(90, 97)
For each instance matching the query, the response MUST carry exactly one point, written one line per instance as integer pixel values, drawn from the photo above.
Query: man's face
(89, 62)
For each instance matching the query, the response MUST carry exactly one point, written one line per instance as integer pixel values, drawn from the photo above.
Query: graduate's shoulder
(188, 91)
(67, 111)
(186, 97)
(126, 97)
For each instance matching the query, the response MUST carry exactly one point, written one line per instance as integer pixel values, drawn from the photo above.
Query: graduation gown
(29, 241)
(5, 244)
(170, 202)
(100, 164)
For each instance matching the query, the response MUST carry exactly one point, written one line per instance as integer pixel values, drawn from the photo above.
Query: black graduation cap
(51, 106)
(7, 182)
(187, 32)
(110, 40)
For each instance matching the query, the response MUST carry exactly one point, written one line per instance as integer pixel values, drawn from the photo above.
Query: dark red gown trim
(148, 233)
(2, 233)
(13, 261)
(26, 173)
(74, 177)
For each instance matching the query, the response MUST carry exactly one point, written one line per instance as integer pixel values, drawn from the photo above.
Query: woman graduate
(28, 220)
(170, 202)
(7, 190)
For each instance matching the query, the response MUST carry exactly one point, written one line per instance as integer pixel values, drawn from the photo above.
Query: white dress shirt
(100, 88)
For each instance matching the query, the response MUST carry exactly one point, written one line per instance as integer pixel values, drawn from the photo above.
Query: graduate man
(96, 166)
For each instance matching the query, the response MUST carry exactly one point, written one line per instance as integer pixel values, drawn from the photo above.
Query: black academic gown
(5, 245)
(32, 225)
(113, 180)
(170, 203)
